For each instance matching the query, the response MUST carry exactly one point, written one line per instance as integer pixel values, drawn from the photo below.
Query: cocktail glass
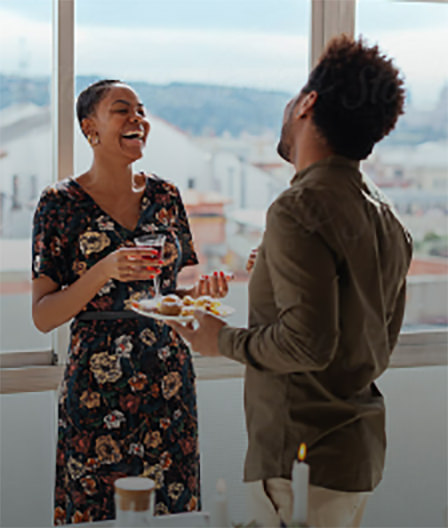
(156, 242)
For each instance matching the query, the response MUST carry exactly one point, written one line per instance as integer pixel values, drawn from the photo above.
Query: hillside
(195, 108)
(201, 109)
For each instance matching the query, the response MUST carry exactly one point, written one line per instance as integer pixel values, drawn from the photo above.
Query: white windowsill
(414, 349)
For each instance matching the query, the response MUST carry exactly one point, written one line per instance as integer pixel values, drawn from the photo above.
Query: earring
(94, 140)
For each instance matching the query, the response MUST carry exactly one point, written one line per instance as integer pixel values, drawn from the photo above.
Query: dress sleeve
(189, 256)
(48, 242)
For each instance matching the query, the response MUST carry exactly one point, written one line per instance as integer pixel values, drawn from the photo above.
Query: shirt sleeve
(189, 256)
(302, 270)
(394, 325)
(47, 248)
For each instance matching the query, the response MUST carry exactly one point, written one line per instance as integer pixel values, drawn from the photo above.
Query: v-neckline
(114, 220)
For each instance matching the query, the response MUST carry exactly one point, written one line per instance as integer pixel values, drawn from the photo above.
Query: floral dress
(127, 403)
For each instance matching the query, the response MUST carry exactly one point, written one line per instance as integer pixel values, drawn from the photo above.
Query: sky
(256, 43)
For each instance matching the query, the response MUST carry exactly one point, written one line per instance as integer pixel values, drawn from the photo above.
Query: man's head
(353, 96)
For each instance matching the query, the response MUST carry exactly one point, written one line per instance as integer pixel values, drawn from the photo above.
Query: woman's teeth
(134, 134)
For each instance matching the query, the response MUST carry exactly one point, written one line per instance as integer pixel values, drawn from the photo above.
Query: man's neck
(306, 156)
(310, 147)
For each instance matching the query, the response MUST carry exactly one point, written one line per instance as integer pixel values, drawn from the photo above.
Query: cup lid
(134, 484)
(133, 493)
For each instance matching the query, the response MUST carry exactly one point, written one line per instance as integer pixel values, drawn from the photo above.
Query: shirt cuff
(227, 344)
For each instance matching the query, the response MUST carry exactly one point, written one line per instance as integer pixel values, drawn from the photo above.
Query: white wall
(427, 300)
(412, 494)
(27, 451)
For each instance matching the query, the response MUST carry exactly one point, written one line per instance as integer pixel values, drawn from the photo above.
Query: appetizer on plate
(173, 306)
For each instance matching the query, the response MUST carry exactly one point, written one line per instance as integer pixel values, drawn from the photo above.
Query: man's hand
(203, 338)
(251, 260)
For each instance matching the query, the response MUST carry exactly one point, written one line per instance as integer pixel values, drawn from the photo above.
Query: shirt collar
(334, 160)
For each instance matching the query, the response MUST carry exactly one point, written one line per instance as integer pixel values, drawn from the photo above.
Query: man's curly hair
(360, 96)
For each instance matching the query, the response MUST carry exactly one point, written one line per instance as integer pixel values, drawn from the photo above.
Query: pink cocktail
(155, 242)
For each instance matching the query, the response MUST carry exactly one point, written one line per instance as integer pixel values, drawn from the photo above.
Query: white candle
(220, 510)
(300, 481)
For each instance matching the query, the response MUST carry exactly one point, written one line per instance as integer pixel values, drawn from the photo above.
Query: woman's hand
(216, 285)
(251, 260)
(131, 264)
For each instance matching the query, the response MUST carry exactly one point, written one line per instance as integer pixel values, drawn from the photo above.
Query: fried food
(170, 305)
(174, 305)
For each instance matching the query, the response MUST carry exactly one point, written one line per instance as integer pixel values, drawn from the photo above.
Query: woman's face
(120, 124)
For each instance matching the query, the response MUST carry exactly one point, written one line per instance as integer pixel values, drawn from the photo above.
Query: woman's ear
(87, 126)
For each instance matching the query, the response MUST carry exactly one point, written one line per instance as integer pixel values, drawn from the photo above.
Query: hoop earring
(94, 140)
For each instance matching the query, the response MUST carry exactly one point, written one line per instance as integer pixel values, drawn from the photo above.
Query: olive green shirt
(326, 302)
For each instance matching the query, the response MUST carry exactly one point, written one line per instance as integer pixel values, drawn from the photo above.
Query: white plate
(147, 307)
(162, 317)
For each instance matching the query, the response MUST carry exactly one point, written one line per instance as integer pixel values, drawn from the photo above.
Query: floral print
(138, 382)
(105, 367)
(104, 223)
(114, 419)
(171, 384)
(107, 288)
(90, 400)
(123, 346)
(127, 404)
(93, 242)
(107, 450)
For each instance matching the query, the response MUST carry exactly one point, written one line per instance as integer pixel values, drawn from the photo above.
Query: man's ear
(306, 103)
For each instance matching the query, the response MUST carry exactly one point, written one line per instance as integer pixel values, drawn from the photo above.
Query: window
(411, 165)
(25, 161)
(215, 77)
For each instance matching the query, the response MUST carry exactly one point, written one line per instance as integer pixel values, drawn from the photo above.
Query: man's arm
(304, 279)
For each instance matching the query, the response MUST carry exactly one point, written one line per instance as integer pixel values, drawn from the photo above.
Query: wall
(412, 493)
(27, 447)
(427, 300)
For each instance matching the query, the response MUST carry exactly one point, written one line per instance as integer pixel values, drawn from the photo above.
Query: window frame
(42, 370)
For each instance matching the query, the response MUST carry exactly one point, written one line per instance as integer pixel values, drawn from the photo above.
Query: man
(327, 296)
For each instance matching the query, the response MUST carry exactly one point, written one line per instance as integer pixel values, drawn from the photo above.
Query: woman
(127, 404)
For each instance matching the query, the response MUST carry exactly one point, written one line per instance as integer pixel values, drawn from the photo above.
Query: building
(210, 178)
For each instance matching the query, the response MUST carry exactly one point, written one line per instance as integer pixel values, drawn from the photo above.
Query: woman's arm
(53, 305)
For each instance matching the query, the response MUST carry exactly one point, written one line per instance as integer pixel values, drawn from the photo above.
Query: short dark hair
(360, 96)
(91, 96)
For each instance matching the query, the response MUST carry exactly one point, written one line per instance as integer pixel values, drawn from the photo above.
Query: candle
(220, 510)
(300, 480)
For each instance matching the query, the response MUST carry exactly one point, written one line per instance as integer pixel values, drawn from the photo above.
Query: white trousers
(270, 502)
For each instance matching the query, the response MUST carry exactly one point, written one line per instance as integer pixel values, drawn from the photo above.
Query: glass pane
(25, 159)
(412, 163)
(214, 77)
